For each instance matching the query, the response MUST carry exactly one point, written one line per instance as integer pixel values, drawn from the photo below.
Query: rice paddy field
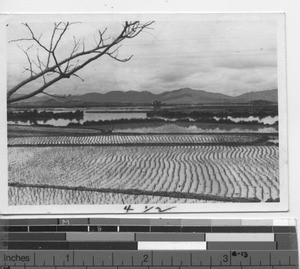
(133, 139)
(130, 169)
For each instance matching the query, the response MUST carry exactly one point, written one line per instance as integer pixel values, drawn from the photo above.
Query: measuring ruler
(86, 243)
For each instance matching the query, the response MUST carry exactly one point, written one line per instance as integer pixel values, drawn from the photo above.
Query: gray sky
(230, 57)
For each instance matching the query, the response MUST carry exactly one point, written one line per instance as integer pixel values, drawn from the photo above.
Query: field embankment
(140, 128)
(142, 140)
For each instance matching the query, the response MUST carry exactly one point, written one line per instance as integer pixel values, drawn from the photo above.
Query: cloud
(247, 61)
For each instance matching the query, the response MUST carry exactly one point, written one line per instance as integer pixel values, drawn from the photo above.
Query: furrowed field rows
(220, 171)
(133, 139)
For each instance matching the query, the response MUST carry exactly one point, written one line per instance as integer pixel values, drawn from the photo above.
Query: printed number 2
(225, 258)
(145, 258)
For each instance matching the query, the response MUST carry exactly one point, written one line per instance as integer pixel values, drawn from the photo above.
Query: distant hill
(190, 96)
(271, 96)
(181, 96)
(119, 96)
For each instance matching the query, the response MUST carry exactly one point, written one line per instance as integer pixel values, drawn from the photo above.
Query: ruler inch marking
(151, 257)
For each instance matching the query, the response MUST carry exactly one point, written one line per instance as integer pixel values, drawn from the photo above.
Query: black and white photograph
(184, 111)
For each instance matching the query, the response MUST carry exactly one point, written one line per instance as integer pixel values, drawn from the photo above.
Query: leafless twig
(78, 58)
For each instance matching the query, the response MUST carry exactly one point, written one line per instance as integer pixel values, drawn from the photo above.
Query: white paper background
(291, 8)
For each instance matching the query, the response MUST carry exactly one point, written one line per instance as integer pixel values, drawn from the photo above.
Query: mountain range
(181, 96)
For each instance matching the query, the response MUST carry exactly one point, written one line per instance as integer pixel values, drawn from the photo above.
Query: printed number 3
(225, 258)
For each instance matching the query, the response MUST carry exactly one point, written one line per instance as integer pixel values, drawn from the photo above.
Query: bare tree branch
(75, 75)
(77, 58)
(40, 65)
(115, 57)
(33, 37)
(30, 69)
(120, 60)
